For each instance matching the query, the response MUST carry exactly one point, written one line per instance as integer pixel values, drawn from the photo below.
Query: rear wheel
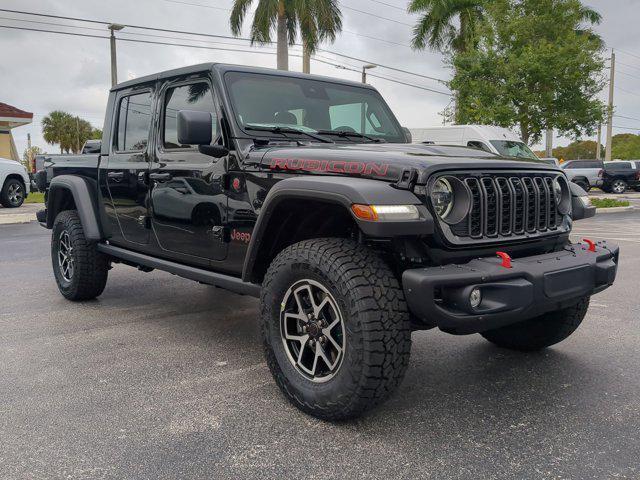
(79, 269)
(335, 327)
(540, 332)
(13, 193)
(619, 186)
(583, 184)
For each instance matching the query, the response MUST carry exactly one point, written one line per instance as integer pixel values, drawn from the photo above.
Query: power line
(198, 5)
(629, 75)
(215, 36)
(627, 91)
(389, 5)
(627, 118)
(628, 53)
(626, 128)
(213, 48)
(627, 65)
(377, 16)
(140, 41)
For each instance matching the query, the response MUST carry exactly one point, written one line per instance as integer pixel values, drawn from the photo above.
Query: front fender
(84, 193)
(342, 191)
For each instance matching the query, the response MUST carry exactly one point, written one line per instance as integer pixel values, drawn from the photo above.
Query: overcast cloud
(41, 72)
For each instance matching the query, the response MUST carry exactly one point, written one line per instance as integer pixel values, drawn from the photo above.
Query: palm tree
(55, 129)
(317, 20)
(269, 14)
(436, 29)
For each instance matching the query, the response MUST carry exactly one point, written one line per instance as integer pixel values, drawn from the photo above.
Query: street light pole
(607, 151)
(114, 62)
(364, 71)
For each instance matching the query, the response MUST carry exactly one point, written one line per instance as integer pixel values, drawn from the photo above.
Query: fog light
(475, 298)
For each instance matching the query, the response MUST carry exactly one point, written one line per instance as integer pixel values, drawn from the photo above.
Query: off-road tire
(540, 332)
(90, 266)
(6, 197)
(376, 319)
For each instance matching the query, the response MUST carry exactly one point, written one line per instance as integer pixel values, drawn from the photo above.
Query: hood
(385, 161)
(13, 163)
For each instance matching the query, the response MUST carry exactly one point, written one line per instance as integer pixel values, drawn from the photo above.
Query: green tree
(29, 155)
(68, 131)
(317, 20)
(578, 150)
(537, 66)
(436, 29)
(625, 146)
(55, 129)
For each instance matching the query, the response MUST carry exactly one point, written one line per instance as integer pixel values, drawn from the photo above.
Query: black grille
(509, 205)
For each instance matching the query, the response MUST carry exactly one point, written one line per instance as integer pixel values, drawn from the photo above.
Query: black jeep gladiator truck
(304, 191)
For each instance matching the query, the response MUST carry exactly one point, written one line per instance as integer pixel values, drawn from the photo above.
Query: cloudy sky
(41, 72)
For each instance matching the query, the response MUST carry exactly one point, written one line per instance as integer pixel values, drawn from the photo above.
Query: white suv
(15, 182)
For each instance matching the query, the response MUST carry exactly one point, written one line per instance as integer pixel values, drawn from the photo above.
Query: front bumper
(439, 296)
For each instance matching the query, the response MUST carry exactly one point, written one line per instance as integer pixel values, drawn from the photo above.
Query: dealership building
(10, 118)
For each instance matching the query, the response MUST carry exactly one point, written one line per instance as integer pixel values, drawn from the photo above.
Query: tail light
(601, 173)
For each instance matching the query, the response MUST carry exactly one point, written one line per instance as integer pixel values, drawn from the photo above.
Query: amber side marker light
(385, 213)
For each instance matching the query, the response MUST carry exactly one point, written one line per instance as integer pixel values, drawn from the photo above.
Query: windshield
(264, 100)
(510, 148)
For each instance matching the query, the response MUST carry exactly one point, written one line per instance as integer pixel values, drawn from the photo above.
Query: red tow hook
(591, 243)
(506, 259)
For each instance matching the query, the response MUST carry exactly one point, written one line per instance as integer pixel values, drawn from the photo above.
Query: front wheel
(540, 332)
(335, 327)
(79, 269)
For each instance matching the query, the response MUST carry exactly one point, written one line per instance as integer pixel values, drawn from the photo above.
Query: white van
(498, 140)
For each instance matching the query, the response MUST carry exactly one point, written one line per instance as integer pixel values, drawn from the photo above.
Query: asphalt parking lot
(164, 378)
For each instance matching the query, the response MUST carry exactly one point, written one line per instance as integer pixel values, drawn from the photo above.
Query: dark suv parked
(620, 175)
(305, 191)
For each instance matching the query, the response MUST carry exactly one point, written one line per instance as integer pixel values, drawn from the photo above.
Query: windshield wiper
(347, 134)
(284, 130)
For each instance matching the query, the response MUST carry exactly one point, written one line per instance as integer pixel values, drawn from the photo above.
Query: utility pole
(114, 62)
(29, 141)
(363, 113)
(549, 149)
(599, 142)
(607, 152)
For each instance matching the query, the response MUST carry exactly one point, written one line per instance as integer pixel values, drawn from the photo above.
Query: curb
(614, 209)
(17, 218)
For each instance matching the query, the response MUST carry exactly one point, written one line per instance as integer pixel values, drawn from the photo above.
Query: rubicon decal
(333, 166)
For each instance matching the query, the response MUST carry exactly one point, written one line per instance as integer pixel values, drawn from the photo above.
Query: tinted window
(197, 97)
(510, 148)
(618, 165)
(134, 119)
(478, 146)
(274, 100)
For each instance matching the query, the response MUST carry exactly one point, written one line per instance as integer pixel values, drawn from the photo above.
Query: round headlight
(442, 197)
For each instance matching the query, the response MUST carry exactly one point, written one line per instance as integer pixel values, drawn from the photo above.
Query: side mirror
(407, 133)
(194, 128)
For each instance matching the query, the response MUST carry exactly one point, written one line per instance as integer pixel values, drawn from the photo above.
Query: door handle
(115, 175)
(163, 177)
